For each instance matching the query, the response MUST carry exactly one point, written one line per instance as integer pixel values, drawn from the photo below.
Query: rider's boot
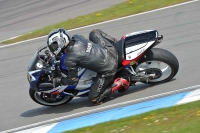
(120, 84)
(106, 36)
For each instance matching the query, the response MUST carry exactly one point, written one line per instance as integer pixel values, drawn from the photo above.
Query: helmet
(57, 40)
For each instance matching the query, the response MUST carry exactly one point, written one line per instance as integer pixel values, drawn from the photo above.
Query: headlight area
(29, 77)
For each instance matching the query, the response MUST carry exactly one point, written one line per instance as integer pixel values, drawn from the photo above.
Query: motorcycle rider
(97, 54)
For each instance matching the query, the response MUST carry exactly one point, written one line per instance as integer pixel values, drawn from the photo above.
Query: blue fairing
(62, 64)
(36, 75)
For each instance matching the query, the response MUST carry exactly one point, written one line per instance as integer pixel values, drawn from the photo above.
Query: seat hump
(120, 49)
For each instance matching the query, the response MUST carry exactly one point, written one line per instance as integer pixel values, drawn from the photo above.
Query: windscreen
(33, 62)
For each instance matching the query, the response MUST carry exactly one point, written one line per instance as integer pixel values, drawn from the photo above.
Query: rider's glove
(56, 82)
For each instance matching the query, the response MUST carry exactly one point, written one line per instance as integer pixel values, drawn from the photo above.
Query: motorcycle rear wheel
(160, 62)
(48, 99)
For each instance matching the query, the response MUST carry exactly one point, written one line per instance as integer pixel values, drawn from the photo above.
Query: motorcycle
(137, 59)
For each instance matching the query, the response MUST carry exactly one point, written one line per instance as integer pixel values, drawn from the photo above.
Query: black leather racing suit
(98, 55)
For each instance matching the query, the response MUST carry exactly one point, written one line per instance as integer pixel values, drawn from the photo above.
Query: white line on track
(103, 22)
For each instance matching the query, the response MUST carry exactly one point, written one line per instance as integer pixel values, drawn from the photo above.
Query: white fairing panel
(137, 50)
(86, 79)
(88, 74)
(136, 47)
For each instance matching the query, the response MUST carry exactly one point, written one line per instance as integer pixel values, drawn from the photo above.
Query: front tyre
(162, 63)
(48, 99)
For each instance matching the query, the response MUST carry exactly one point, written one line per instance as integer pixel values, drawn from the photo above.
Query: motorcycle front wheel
(48, 99)
(162, 63)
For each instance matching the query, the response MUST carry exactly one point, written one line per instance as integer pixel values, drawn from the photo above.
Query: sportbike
(137, 60)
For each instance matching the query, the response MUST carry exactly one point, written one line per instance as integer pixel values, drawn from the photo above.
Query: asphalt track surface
(180, 26)
(21, 16)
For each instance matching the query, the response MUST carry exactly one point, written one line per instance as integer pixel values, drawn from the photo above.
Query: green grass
(120, 10)
(177, 119)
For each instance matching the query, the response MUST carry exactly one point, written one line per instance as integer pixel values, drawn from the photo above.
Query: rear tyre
(160, 62)
(48, 99)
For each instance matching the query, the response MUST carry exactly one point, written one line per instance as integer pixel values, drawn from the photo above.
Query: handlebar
(49, 67)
